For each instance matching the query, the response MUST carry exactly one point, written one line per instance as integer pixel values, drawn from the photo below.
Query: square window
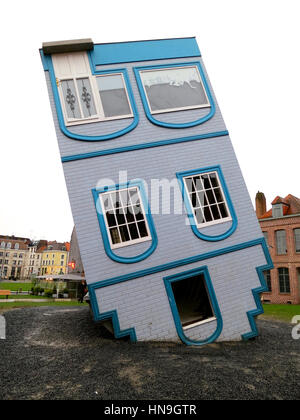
(113, 95)
(208, 205)
(125, 221)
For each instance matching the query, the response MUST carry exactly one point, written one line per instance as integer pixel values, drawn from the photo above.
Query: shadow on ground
(59, 353)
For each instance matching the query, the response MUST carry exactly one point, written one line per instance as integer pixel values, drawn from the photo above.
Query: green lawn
(15, 286)
(23, 297)
(12, 305)
(281, 312)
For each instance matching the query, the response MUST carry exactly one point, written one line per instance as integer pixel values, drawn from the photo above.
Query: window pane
(86, 97)
(198, 183)
(284, 280)
(111, 220)
(142, 229)
(214, 180)
(173, 88)
(134, 196)
(205, 179)
(194, 200)
(207, 214)
(199, 216)
(133, 231)
(120, 216)
(189, 184)
(124, 197)
(129, 214)
(297, 239)
(107, 202)
(223, 210)
(210, 196)
(70, 98)
(267, 275)
(218, 195)
(138, 213)
(281, 242)
(113, 95)
(124, 233)
(215, 212)
(115, 238)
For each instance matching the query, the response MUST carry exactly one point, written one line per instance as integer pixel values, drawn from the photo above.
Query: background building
(281, 228)
(34, 258)
(13, 255)
(75, 264)
(55, 258)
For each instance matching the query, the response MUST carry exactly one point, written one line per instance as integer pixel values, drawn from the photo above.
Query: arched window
(9, 245)
(17, 246)
(2, 244)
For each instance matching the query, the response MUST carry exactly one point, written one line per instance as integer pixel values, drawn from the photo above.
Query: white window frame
(132, 241)
(207, 105)
(72, 75)
(213, 222)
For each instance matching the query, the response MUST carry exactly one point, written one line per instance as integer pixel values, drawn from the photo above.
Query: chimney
(260, 204)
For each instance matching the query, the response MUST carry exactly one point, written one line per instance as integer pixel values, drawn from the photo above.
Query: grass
(23, 297)
(15, 286)
(13, 305)
(281, 312)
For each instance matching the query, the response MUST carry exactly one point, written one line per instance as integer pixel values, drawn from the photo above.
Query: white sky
(251, 52)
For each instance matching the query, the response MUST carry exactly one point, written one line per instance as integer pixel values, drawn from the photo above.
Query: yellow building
(55, 258)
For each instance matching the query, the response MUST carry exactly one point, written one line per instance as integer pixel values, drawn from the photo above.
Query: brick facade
(290, 260)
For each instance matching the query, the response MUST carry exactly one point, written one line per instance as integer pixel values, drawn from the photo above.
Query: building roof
(57, 246)
(129, 51)
(291, 205)
(22, 242)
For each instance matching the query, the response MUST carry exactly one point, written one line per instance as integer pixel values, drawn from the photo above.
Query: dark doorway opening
(192, 300)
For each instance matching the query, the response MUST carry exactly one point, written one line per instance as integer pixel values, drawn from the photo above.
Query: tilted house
(129, 117)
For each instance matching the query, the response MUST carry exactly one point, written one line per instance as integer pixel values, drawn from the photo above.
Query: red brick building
(281, 228)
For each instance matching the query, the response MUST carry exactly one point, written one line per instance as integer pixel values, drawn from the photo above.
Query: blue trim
(72, 158)
(45, 60)
(256, 294)
(113, 315)
(126, 260)
(214, 302)
(126, 52)
(151, 117)
(79, 137)
(191, 260)
(195, 229)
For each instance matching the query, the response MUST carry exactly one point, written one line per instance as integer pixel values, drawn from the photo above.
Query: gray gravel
(59, 353)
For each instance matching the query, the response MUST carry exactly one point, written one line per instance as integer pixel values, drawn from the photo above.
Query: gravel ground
(59, 353)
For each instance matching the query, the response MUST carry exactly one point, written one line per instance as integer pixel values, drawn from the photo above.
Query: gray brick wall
(143, 303)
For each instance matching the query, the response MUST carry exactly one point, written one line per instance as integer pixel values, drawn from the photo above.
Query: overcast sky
(251, 52)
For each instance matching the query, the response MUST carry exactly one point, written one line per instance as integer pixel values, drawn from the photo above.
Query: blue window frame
(199, 95)
(207, 201)
(125, 219)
